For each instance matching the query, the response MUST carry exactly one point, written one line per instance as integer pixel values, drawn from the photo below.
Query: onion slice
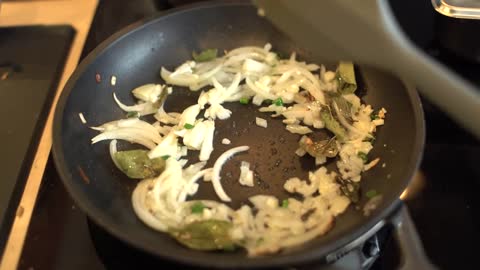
(143, 108)
(113, 151)
(140, 208)
(217, 186)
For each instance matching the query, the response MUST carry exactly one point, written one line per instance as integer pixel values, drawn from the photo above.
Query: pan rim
(273, 261)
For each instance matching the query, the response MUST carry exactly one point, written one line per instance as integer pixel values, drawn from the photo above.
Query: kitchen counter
(78, 14)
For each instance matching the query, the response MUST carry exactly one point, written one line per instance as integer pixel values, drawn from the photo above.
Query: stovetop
(442, 200)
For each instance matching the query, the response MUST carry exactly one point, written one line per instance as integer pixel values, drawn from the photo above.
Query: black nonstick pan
(135, 56)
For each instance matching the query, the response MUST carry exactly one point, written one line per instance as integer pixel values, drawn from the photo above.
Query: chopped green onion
(374, 116)
(197, 208)
(363, 156)
(205, 55)
(371, 193)
(285, 203)
(278, 102)
(188, 126)
(244, 100)
(165, 157)
(133, 114)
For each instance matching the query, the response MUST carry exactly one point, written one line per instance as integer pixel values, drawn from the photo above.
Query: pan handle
(411, 247)
(367, 32)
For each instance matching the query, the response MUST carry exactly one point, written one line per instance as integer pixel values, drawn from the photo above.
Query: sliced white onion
(130, 135)
(189, 115)
(328, 76)
(141, 209)
(378, 122)
(148, 92)
(82, 118)
(167, 118)
(164, 130)
(261, 122)
(194, 138)
(208, 176)
(300, 152)
(183, 151)
(139, 128)
(185, 68)
(290, 121)
(186, 190)
(113, 80)
(298, 129)
(143, 108)
(167, 147)
(246, 175)
(273, 108)
(180, 80)
(217, 111)
(324, 226)
(371, 164)
(252, 66)
(138, 124)
(207, 145)
(203, 79)
(247, 49)
(217, 186)
(113, 150)
(183, 162)
(259, 91)
(319, 160)
(257, 100)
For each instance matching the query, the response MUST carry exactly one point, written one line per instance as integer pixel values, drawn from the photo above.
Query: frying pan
(135, 55)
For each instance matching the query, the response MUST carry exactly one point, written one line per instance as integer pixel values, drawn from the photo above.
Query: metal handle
(366, 32)
(410, 245)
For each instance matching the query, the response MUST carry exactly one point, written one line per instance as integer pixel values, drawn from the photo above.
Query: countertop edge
(79, 14)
